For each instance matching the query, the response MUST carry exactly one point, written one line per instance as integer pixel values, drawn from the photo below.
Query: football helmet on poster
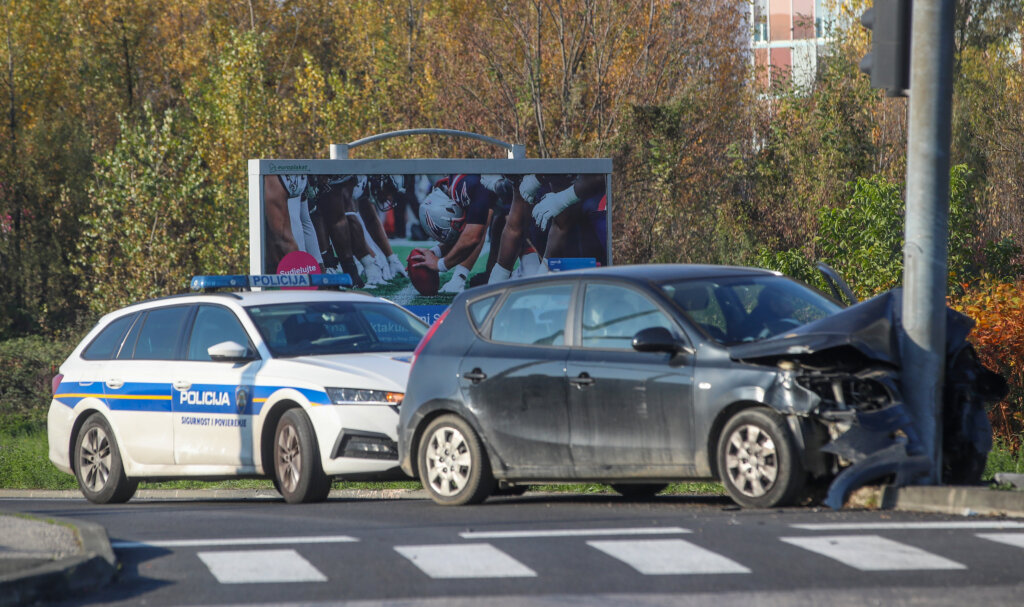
(442, 217)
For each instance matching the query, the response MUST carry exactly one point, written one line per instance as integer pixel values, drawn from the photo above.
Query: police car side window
(106, 344)
(214, 325)
(161, 333)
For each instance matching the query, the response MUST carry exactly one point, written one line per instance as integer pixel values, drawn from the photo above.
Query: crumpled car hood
(866, 327)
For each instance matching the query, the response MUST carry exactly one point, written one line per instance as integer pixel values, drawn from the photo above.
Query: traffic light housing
(888, 63)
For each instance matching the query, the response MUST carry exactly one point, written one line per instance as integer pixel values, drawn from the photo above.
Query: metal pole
(925, 247)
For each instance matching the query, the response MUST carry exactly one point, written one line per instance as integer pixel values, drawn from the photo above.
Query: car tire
(758, 462)
(638, 490)
(453, 465)
(98, 465)
(298, 474)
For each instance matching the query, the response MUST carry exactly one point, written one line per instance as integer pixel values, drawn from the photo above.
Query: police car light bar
(246, 282)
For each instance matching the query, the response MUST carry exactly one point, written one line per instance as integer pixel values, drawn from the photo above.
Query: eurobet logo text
(279, 280)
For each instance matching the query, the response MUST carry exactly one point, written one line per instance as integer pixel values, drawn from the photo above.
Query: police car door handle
(182, 385)
(115, 383)
(582, 380)
(476, 375)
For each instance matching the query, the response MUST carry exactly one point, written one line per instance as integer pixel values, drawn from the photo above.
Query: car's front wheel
(453, 465)
(98, 465)
(758, 462)
(298, 475)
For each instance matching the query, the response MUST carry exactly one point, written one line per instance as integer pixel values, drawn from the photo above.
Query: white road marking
(464, 561)
(667, 557)
(229, 541)
(480, 535)
(260, 566)
(872, 553)
(1010, 539)
(931, 525)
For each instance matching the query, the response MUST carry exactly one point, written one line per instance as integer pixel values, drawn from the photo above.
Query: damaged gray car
(638, 376)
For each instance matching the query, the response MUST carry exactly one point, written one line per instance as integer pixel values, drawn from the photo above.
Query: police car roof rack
(246, 282)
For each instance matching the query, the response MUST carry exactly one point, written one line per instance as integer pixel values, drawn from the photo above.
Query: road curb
(91, 569)
(955, 500)
(217, 494)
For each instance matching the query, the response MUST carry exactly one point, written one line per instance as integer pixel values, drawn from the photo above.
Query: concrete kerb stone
(92, 567)
(954, 500)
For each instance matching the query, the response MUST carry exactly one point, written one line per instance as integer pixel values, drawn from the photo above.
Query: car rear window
(105, 345)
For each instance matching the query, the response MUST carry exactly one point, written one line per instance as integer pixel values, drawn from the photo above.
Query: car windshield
(336, 327)
(749, 308)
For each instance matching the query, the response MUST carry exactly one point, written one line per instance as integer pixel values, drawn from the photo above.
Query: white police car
(296, 385)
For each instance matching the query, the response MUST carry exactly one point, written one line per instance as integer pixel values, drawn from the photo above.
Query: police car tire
(445, 440)
(294, 440)
(96, 455)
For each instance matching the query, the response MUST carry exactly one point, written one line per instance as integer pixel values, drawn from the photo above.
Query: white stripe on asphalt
(667, 557)
(910, 526)
(260, 566)
(872, 553)
(490, 535)
(1010, 539)
(464, 561)
(240, 541)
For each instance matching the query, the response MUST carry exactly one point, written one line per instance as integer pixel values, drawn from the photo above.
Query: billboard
(418, 232)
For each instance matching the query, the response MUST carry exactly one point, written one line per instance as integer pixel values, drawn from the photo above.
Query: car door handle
(476, 375)
(114, 383)
(583, 379)
(182, 385)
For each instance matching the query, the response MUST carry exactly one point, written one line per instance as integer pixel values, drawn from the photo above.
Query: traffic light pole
(925, 244)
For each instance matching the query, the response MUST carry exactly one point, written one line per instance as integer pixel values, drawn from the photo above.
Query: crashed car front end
(839, 382)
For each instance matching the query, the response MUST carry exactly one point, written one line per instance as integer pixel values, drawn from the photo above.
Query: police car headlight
(355, 396)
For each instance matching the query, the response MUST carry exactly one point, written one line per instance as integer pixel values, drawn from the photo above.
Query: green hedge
(27, 364)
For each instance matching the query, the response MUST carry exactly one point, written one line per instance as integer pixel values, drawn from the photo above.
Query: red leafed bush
(998, 309)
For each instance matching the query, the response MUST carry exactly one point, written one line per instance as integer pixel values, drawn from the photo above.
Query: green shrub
(27, 364)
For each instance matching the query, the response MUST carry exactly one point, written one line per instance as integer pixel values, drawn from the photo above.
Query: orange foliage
(998, 309)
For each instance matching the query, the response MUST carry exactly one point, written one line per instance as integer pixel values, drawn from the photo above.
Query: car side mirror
(229, 351)
(659, 339)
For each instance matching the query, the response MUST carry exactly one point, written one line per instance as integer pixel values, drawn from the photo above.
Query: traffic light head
(888, 63)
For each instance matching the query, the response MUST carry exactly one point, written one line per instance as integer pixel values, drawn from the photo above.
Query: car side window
(160, 334)
(105, 345)
(701, 304)
(478, 310)
(612, 315)
(214, 325)
(534, 316)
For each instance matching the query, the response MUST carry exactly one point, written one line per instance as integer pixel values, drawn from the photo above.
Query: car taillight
(55, 382)
(426, 338)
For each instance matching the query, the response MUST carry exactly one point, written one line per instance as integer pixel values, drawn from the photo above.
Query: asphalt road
(545, 549)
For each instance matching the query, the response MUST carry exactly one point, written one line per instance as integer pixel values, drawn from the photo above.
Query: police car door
(212, 399)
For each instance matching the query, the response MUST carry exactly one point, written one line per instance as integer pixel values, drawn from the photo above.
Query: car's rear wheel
(758, 462)
(453, 464)
(298, 475)
(98, 465)
(638, 490)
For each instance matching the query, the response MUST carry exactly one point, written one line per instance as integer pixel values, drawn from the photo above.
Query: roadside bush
(27, 364)
(998, 309)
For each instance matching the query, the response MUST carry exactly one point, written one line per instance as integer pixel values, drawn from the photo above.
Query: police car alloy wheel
(298, 474)
(98, 465)
(453, 465)
(757, 461)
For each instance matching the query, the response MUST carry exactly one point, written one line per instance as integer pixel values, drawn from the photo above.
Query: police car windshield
(327, 327)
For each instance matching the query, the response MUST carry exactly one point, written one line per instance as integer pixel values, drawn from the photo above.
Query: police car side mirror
(229, 351)
(659, 339)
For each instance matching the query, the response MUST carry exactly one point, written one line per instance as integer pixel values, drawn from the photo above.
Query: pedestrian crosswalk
(635, 549)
